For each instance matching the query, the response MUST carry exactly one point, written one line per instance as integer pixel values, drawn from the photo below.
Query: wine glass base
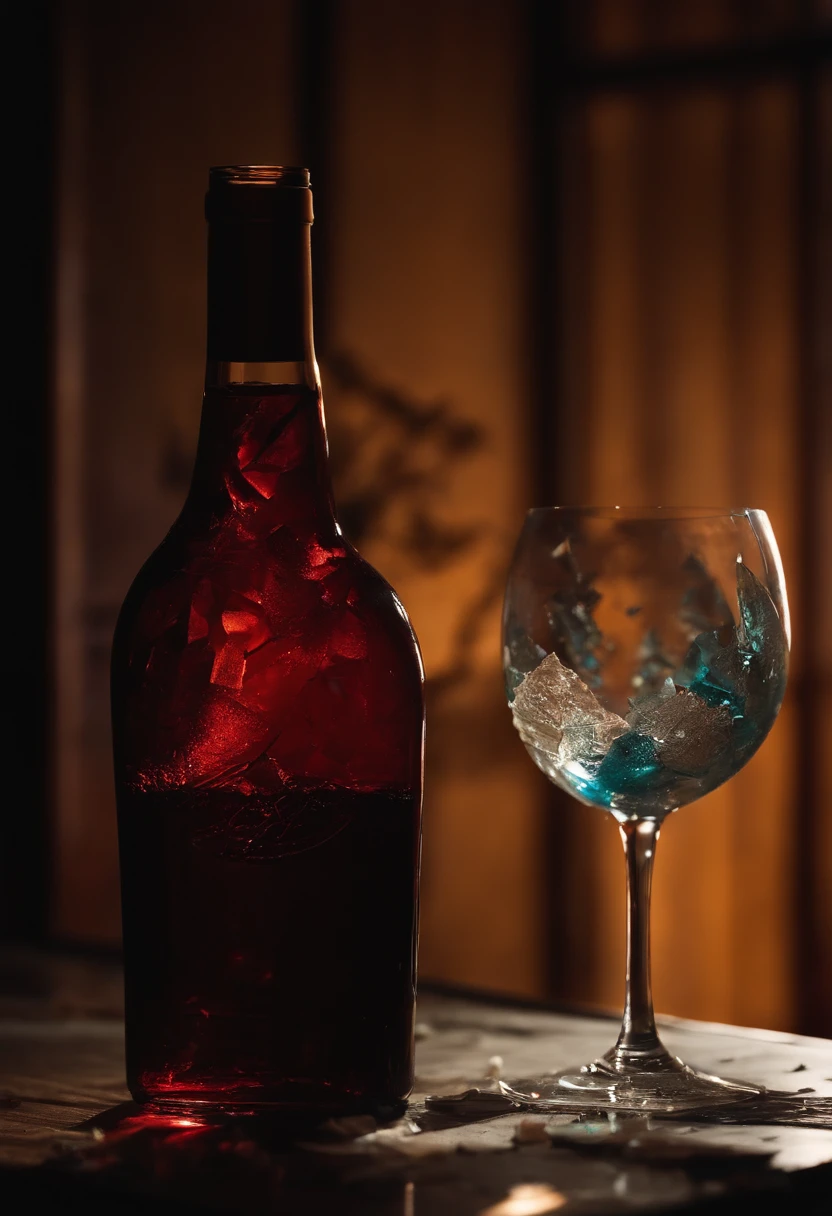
(666, 1087)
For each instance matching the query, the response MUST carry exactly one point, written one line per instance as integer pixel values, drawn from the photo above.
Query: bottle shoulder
(290, 583)
(287, 660)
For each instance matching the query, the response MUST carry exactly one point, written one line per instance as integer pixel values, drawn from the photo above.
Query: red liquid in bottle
(268, 722)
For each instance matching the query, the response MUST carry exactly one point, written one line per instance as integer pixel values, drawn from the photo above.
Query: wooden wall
(680, 341)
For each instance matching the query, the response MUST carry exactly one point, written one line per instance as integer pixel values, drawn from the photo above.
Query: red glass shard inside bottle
(268, 730)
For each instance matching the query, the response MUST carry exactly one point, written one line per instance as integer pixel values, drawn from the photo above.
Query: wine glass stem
(638, 1042)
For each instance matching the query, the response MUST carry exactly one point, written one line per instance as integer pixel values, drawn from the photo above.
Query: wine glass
(645, 655)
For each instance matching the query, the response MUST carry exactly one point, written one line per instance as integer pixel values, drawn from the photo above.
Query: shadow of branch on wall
(394, 459)
(414, 448)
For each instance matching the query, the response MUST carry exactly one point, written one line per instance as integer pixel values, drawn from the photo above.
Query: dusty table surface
(69, 1134)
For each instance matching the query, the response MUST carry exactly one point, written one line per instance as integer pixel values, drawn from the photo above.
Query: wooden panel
(425, 288)
(613, 27)
(691, 381)
(152, 95)
(429, 197)
(814, 903)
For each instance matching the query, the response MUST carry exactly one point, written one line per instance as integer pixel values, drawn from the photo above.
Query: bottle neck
(260, 304)
(262, 446)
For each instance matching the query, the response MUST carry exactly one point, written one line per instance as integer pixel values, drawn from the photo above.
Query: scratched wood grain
(61, 1081)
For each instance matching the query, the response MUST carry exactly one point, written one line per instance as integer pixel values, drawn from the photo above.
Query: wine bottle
(268, 724)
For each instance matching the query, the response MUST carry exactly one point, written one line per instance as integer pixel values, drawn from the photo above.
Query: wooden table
(70, 1136)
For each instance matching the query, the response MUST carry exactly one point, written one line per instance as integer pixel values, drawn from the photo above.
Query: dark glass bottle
(268, 723)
